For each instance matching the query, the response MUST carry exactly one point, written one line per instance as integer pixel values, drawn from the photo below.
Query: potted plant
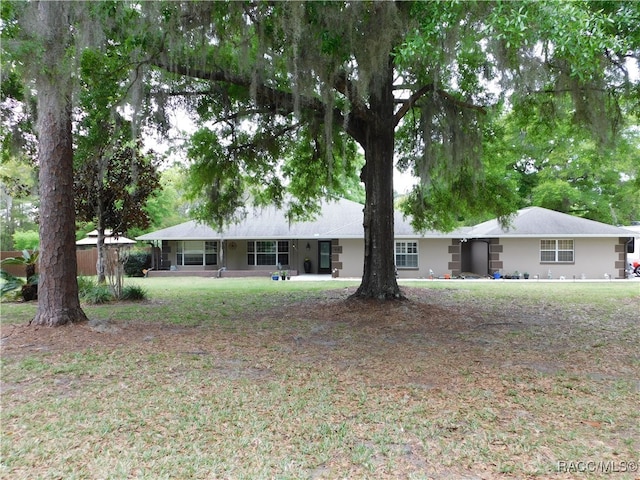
(284, 274)
(307, 265)
(525, 275)
(275, 276)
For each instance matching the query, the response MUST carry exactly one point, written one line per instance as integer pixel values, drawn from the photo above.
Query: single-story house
(538, 241)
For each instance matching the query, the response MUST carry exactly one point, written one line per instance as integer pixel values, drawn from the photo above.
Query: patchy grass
(260, 379)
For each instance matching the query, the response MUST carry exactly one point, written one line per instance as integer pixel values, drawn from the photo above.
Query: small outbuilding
(91, 240)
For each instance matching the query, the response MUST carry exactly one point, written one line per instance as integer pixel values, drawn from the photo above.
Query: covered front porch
(220, 273)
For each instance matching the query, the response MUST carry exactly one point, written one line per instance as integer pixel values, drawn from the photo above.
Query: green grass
(250, 378)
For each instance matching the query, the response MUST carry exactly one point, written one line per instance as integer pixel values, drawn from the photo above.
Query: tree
(58, 301)
(48, 32)
(18, 175)
(556, 165)
(289, 87)
(113, 190)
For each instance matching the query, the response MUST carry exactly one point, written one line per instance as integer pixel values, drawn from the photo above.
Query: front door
(324, 256)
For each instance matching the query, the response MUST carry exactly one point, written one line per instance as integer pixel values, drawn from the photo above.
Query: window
(556, 251)
(197, 252)
(407, 254)
(210, 253)
(268, 252)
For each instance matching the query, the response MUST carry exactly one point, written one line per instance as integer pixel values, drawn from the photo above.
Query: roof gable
(541, 222)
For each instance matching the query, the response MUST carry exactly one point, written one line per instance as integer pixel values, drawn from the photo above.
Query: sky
(402, 182)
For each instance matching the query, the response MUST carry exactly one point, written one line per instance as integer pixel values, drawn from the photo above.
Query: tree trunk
(58, 301)
(100, 262)
(379, 278)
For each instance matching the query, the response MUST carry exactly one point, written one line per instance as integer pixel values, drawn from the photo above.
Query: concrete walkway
(317, 278)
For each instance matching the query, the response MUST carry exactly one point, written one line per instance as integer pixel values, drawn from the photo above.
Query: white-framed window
(556, 251)
(407, 254)
(197, 252)
(268, 252)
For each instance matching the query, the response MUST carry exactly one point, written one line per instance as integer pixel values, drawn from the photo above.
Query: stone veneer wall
(455, 250)
(336, 251)
(495, 249)
(621, 262)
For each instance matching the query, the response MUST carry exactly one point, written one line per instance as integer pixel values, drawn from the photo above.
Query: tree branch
(410, 102)
(273, 99)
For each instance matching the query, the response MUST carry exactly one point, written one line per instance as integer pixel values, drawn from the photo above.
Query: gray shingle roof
(340, 219)
(343, 219)
(540, 222)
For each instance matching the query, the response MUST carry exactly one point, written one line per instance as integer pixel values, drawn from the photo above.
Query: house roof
(541, 222)
(343, 219)
(339, 219)
(92, 239)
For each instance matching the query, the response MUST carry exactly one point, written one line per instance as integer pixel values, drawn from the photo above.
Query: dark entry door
(475, 257)
(324, 256)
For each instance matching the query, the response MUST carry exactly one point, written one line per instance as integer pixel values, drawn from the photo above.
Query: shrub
(26, 240)
(90, 291)
(84, 285)
(134, 293)
(136, 262)
(99, 294)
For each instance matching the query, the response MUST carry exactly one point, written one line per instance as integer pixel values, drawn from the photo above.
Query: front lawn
(250, 378)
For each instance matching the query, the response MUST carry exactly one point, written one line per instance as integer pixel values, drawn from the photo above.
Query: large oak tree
(283, 89)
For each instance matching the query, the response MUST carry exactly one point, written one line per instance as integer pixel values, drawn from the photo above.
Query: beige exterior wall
(350, 259)
(593, 258)
(433, 254)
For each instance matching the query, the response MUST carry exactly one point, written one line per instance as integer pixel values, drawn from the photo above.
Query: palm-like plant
(30, 284)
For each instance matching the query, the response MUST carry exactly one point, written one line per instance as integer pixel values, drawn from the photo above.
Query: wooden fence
(86, 262)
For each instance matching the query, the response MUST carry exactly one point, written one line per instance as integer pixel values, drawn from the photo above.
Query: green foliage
(9, 284)
(117, 187)
(90, 291)
(555, 164)
(133, 293)
(29, 286)
(26, 240)
(168, 206)
(136, 262)
(18, 174)
(93, 292)
(29, 260)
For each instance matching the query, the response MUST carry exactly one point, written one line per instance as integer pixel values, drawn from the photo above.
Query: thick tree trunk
(379, 278)
(58, 301)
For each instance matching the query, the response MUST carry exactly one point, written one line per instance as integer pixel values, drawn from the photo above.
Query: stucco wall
(593, 257)
(350, 260)
(433, 255)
